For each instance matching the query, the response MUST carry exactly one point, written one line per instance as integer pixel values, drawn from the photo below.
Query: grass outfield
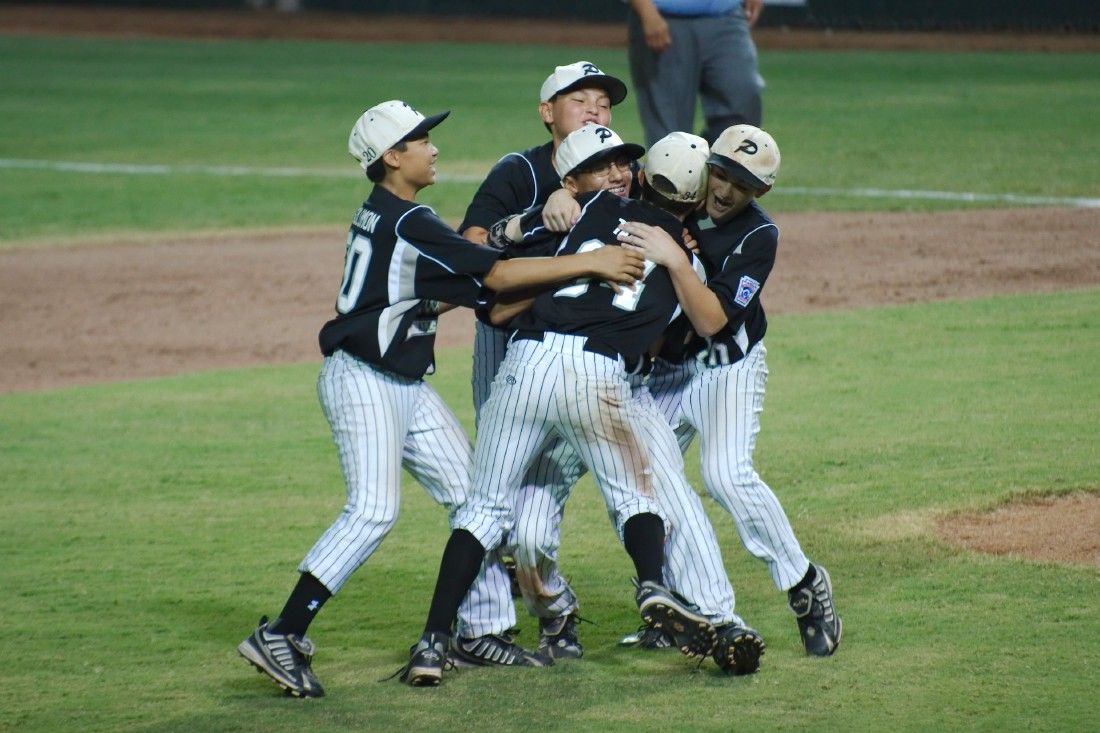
(984, 123)
(147, 525)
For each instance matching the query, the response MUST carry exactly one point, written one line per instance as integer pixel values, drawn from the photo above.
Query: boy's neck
(400, 188)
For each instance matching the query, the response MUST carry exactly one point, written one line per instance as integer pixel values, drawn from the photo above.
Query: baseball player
(595, 158)
(401, 261)
(566, 374)
(572, 96)
(720, 393)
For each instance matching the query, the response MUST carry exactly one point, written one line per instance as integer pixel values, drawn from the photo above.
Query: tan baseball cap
(748, 154)
(589, 144)
(680, 158)
(579, 75)
(383, 126)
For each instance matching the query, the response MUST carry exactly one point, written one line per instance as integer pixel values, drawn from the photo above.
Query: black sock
(301, 608)
(460, 564)
(807, 580)
(644, 539)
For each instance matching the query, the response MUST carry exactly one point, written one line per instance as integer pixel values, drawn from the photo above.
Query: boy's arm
(610, 263)
(507, 189)
(700, 304)
(509, 305)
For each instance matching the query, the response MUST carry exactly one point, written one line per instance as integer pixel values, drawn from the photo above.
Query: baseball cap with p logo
(589, 144)
(676, 167)
(385, 125)
(749, 155)
(580, 75)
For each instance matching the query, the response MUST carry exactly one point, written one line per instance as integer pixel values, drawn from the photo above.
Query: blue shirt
(697, 7)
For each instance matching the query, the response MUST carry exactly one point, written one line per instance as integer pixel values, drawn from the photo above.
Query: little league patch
(745, 290)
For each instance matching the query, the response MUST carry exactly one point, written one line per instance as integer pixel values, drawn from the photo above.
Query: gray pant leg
(665, 83)
(730, 83)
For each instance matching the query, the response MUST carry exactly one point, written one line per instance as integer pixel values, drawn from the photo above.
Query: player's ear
(546, 112)
(569, 183)
(392, 158)
(762, 191)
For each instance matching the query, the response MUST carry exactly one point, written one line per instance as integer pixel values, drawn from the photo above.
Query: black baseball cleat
(665, 611)
(285, 658)
(738, 650)
(558, 637)
(495, 650)
(427, 658)
(812, 603)
(647, 638)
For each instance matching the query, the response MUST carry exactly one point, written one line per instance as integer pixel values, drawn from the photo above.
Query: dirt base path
(86, 314)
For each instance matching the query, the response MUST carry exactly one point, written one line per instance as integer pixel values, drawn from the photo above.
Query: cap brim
(633, 150)
(615, 89)
(422, 129)
(737, 171)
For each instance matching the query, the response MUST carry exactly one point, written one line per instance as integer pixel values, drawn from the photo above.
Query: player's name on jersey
(366, 220)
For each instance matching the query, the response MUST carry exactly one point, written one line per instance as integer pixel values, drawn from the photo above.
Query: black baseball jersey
(518, 182)
(628, 322)
(399, 253)
(738, 256)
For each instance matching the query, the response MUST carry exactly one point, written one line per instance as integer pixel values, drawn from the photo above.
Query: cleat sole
(693, 635)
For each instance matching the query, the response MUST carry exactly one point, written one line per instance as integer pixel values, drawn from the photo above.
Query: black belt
(635, 363)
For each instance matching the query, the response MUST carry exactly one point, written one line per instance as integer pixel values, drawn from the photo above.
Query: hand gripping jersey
(628, 322)
(399, 253)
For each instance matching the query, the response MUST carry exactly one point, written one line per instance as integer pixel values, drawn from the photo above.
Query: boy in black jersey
(720, 392)
(573, 96)
(566, 374)
(401, 260)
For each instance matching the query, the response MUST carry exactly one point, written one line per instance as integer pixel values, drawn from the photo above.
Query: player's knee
(378, 520)
(736, 475)
(533, 544)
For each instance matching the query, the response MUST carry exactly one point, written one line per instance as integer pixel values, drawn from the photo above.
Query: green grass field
(147, 525)
(982, 123)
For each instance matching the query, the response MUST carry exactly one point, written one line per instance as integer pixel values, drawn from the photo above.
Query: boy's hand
(652, 242)
(617, 265)
(689, 241)
(561, 211)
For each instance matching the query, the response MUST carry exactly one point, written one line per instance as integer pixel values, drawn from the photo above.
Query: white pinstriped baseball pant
(723, 405)
(380, 422)
(694, 565)
(693, 558)
(555, 387)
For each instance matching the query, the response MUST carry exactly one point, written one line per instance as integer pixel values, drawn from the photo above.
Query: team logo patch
(745, 290)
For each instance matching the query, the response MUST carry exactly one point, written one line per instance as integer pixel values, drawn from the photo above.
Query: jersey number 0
(355, 271)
